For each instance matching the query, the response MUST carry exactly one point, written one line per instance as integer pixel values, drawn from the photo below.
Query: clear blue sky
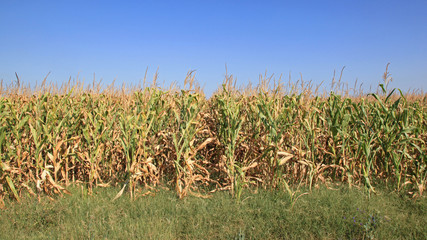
(120, 39)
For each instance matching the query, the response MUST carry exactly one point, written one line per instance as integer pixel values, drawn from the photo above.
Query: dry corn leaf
(244, 169)
(285, 159)
(119, 194)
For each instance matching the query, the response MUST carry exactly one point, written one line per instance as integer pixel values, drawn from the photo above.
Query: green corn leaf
(12, 188)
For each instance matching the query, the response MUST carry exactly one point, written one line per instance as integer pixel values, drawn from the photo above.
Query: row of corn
(230, 141)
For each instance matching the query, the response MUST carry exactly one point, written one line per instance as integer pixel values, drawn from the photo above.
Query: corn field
(256, 137)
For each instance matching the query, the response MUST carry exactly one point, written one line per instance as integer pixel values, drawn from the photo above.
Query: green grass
(322, 214)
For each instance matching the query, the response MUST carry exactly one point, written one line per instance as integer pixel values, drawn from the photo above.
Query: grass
(261, 214)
